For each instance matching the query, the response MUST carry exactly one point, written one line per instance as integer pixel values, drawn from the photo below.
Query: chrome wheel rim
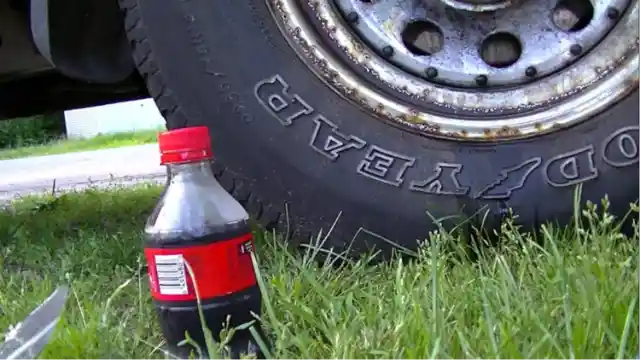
(523, 41)
(509, 107)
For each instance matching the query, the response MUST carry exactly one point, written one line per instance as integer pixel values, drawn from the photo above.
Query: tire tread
(267, 216)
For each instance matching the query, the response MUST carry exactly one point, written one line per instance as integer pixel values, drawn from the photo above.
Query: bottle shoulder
(194, 206)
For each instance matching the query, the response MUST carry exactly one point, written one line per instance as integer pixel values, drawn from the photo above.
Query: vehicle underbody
(62, 55)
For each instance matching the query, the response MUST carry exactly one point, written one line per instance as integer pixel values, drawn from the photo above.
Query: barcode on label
(172, 278)
(246, 247)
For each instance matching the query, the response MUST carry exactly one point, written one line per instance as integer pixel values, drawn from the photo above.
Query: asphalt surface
(74, 171)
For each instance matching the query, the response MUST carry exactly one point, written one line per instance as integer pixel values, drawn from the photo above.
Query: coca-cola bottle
(196, 221)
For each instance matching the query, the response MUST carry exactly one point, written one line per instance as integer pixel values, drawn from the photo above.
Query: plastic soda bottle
(198, 238)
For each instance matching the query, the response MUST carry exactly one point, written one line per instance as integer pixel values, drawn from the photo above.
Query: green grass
(102, 141)
(568, 294)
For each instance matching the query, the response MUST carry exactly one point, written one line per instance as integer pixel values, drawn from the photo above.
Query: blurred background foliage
(34, 130)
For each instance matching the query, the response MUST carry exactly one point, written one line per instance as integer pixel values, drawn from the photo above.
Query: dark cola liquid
(179, 317)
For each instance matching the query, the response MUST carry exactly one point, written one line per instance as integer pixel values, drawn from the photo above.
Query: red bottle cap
(186, 145)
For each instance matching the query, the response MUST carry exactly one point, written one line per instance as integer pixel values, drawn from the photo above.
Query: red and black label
(219, 269)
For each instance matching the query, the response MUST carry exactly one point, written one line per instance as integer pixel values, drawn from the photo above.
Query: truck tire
(316, 130)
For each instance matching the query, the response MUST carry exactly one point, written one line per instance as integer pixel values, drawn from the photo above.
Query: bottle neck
(199, 168)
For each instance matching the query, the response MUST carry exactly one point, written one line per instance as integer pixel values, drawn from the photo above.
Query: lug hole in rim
(422, 37)
(572, 15)
(500, 50)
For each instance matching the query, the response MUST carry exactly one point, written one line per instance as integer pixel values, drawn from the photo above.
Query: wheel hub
(478, 43)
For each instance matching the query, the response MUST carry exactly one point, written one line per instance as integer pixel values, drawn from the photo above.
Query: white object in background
(113, 118)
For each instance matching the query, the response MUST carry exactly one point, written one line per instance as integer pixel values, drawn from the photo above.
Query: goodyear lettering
(620, 149)
(385, 166)
(273, 94)
(329, 142)
(571, 168)
(444, 181)
(509, 180)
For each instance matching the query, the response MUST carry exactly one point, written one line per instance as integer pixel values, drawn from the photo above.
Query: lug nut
(575, 49)
(387, 51)
(431, 72)
(531, 71)
(613, 13)
(482, 80)
(353, 17)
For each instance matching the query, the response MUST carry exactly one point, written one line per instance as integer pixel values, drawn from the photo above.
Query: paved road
(126, 165)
